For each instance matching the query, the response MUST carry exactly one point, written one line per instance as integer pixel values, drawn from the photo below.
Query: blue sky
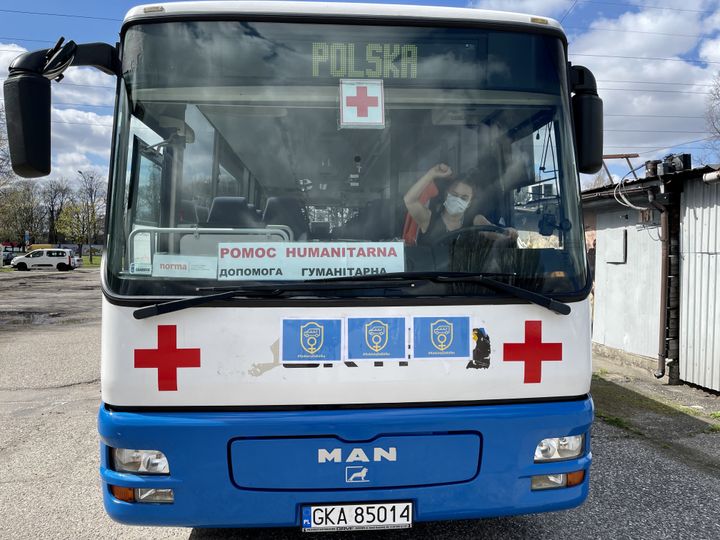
(651, 104)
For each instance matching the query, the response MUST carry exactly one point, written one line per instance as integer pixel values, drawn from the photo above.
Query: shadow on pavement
(672, 428)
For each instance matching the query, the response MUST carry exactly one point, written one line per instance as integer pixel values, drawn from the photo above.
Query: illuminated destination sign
(370, 60)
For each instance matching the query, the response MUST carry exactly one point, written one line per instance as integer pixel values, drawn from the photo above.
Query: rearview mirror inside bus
(27, 113)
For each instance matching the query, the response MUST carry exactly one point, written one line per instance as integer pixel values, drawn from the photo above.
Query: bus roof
(234, 8)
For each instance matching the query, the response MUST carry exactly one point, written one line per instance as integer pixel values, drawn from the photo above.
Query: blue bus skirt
(258, 469)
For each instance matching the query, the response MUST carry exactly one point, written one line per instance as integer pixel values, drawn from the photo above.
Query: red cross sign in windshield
(362, 103)
(167, 358)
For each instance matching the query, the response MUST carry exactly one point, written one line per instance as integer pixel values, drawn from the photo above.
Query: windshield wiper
(269, 290)
(518, 292)
(466, 277)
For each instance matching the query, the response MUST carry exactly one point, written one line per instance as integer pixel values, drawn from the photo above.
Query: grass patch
(616, 421)
(95, 262)
(715, 415)
(713, 429)
(601, 372)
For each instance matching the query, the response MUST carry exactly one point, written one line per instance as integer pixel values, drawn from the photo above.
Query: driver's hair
(470, 178)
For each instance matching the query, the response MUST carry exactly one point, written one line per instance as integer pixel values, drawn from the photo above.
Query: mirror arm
(582, 81)
(98, 55)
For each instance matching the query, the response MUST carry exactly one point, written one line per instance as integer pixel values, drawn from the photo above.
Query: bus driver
(435, 222)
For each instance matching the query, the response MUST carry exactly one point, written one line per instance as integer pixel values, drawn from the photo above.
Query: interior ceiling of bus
(282, 146)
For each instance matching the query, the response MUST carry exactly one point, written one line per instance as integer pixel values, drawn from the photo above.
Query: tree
(72, 225)
(712, 115)
(22, 210)
(6, 172)
(56, 194)
(91, 198)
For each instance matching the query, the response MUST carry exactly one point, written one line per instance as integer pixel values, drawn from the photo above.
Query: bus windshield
(252, 152)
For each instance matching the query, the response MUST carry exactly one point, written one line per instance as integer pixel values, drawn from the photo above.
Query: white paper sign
(307, 260)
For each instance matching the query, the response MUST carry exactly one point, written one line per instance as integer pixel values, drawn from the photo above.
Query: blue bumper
(257, 469)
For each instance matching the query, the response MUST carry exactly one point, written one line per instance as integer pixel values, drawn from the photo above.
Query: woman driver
(450, 216)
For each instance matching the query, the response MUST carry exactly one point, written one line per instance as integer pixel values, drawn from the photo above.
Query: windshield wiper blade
(518, 292)
(266, 290)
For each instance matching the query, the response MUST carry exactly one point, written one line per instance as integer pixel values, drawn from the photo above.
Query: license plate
(347, 517)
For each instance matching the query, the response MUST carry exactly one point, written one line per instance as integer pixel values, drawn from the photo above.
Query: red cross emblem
(362, 101)
(167, 358)
(533, 352)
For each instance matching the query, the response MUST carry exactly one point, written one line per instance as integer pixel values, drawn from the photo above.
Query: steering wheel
(471, 229)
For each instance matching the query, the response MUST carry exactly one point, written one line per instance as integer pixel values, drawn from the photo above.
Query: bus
(345, 283)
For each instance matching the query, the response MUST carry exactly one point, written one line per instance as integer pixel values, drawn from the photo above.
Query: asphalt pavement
(656, 449)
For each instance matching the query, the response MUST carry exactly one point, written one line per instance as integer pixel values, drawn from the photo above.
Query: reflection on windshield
(312, 152)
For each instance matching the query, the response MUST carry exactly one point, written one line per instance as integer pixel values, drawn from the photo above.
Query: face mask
(455, 205)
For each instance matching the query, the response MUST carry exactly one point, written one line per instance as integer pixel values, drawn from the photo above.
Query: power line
(688, 60)
(27, 39)
(67, 15)
(645, 6)
(568, 11)
(653, 91)
(653, 131)
(79, 123)
(653, 116)
(77, 104)
(596, 29)
(654, 82)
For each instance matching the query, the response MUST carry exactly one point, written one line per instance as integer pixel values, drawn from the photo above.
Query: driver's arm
(419, 212)
(509, 231)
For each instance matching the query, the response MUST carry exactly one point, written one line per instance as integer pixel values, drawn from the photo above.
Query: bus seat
(373, 222)
(319, 230)
(202, 213)
(287, 211)
(186, 213)
(232, 212)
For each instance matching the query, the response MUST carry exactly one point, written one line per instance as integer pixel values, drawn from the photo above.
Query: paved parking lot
(49, 487)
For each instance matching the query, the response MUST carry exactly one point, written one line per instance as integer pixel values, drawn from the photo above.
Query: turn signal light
(123, 493)
(575, 478)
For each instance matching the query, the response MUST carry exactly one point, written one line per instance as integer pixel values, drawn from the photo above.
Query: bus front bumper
(258, 469)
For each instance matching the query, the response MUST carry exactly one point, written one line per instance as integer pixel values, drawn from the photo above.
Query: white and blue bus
(345, 283)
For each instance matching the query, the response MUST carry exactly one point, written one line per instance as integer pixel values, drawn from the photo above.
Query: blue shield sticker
(441, 337)
(311, 340)
(312, 336)
(376, 339)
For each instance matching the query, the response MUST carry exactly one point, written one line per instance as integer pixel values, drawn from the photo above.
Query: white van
(51, 258)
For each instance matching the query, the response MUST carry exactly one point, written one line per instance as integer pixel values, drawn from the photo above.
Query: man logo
(356, 474)
(376, 335)
(441, 334)
(311, 337)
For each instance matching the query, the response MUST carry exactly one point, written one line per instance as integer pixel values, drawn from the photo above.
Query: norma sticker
(376, 338)
(362, 103)
(184, 266)
(441, 337)
(308, 340)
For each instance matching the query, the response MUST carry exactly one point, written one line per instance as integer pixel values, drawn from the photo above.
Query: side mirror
(27, 98)
(587, 111)
(27, 113)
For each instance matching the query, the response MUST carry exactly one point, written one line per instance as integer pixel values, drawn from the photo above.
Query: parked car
(78, 260)
(8, 256)
(60, 259)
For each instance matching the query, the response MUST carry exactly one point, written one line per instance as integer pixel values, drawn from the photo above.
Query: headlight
(140, 461)
(557, 448)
